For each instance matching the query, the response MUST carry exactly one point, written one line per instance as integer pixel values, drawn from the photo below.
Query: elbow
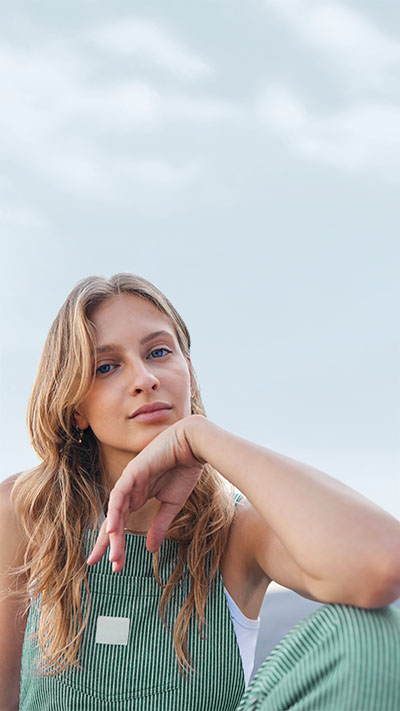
(385, 587)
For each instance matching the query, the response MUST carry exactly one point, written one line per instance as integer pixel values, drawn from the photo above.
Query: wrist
(196, 428)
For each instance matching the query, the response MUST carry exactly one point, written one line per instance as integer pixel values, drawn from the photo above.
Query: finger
(117, 506)
(122, 503)
(100, 546)
(160, 525)
(117, 548)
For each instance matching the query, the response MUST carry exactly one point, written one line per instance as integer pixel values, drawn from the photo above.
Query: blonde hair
(58, 501)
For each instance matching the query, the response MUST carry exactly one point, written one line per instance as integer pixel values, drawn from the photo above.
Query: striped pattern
(339, 658)
(143, 674)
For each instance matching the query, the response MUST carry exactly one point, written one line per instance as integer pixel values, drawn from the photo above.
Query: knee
(367, 638)
(339, 657)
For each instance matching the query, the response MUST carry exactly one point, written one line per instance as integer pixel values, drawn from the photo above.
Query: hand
(166, 469)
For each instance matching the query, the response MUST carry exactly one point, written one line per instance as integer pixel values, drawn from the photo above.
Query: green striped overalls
(339, 658)
(128, 662)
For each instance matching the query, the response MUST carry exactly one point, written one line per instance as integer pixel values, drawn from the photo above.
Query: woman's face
(135, 368)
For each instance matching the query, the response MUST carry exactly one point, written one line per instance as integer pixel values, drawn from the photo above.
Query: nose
(141, 378)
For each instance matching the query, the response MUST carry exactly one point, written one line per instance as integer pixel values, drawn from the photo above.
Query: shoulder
(13, 596)
(6, 487)
(244, 579)
(11, 531)
(254, 542)
(247, 520)
(244, 534)
(265, 556)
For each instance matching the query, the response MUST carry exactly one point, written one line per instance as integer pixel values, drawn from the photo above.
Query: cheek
(185, 390)
(97, 406)
(183, 381)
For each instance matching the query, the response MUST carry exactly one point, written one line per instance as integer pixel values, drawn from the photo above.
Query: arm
(12, 619)
(300, 527)
(305, 529)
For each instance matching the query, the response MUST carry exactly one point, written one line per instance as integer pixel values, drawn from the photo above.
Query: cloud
(364, 133)
(355, 138)
(61, 121)
(127, 105)
(86, 170)
(138, 105)
(152, 43)
(161, 173)
(20, 216)
(342, 35)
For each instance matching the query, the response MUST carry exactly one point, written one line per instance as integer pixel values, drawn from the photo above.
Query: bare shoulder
(7, 484)
(246, 529)
(6, 487)
(266, 555)
(13, 597)
(11, 532)
(246, 582)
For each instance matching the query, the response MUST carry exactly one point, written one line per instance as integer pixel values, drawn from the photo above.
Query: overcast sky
(243, 156)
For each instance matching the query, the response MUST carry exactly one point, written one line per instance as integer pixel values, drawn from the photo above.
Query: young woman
(169, 619)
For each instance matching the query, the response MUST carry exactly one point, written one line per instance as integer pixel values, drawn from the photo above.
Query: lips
(151, 407)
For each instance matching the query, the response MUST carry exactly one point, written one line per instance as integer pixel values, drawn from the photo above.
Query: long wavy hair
(58, 501)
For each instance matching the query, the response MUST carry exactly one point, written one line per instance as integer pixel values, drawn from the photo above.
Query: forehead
(127, 315)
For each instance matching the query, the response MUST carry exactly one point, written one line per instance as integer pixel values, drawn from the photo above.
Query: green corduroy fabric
(142, 675)
(338, 658)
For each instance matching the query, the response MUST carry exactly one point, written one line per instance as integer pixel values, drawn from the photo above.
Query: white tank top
(246, 631)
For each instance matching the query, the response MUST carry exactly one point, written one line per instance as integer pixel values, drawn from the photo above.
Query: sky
(245, 158)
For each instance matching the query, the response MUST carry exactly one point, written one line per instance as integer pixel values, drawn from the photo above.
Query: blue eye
(106, 368)
(158, 350)
(100, 370)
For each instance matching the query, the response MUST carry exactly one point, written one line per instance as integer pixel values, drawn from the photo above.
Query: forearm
(327, 527)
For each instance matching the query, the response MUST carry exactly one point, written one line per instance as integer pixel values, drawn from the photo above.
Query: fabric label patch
(112, 630)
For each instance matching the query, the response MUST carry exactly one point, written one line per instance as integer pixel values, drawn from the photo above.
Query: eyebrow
(114, 347)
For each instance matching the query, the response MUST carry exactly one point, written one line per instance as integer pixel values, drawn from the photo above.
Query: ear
(80, 420)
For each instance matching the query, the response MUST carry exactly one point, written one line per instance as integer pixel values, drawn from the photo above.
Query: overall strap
(238, 497)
